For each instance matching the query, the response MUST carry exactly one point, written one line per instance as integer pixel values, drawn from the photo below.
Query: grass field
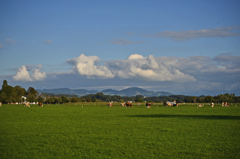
(97, 131)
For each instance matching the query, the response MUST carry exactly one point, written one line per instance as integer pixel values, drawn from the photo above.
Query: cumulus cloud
(176, 69)
(199, 74)
(147, 68)
(86, 65)
(48, 41)
(228, 60)
(37, 75)
(24, 75)
(223, 63)
(135, 56)
(125, 42)
(194, 34)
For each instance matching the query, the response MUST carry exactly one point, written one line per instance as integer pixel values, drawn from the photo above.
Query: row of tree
(9, 94)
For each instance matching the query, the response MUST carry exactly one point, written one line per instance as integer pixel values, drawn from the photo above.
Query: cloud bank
(148, 69)
(195, 74)
(140, 68)
(195, 34)
(134, 67)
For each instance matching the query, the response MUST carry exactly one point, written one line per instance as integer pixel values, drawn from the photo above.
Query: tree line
(9, 94)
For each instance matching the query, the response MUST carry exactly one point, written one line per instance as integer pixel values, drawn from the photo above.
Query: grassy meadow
(97, 131)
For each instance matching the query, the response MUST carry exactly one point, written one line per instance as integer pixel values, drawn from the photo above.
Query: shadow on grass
(188, 116)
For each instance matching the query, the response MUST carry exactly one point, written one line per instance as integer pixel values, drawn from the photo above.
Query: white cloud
(85, 65)
(147, 68)
(1, 45)
(23, 74)
(37, 75)
(194, 34)
(196, 65)
(178, 75)
(233, 86)
(135, 56)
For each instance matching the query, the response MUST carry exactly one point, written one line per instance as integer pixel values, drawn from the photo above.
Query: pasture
(97, 131)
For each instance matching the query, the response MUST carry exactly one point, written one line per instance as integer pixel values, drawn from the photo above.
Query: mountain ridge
(132, 91)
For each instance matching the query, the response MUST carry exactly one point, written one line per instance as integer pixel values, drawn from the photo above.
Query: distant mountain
(162, 93)
(216, 92)
(133, 91)
(79, 92)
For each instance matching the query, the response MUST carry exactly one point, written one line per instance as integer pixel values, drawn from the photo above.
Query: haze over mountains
(133, 91)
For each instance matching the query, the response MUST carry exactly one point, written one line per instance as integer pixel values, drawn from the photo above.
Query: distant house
(40, 95)
(24, 99)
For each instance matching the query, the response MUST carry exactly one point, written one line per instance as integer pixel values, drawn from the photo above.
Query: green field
(97, 131)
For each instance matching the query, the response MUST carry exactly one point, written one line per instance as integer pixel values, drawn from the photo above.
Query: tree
(7, 90)
(31, 98)
(94, 99)
(88, 99)
(139, 100)
(4, 83)
(64, 99)
(74, 99)
(99, 96)
(194, 99)
(3, 96)
(82, 100)
(208, 99)
(140, 96)
(178, 101)
(31, 90)
(58, 100)
(51, 100)
(13, 97)
(40, 99)
(20, 92)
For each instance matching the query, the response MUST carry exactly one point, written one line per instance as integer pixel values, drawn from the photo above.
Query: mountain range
(133, 91)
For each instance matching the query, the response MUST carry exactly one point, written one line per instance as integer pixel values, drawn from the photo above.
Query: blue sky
(184, 47)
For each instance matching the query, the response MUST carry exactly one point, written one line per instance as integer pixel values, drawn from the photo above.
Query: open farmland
(97, 131)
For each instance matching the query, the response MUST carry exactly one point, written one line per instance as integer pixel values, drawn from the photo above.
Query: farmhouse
(24, 99)
(40, 95)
